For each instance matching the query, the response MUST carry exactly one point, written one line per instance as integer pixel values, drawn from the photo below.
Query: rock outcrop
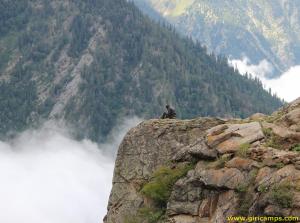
(238, 168)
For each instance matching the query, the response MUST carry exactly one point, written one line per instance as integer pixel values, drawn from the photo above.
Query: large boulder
(193, 200)
(198, 150)
(292, 118)
(273, 157)
(282, 131)
(241, 163)
(237, 171)
(215, 209)
(289, 116)
(151, 144)
(229, 137)
(226, 178)
(286, 174)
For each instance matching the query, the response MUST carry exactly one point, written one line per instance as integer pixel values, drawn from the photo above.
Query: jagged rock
(274, 210)
(291, 118)
(242, 164)
(262, 173)
(205, 208)
(296, 199)
(189, 190)
(215, 188)
(216, 130)
(213, 205)
(146, 147)
(184, 219)
(228, 178)
(228, 138)
(201, 165)
(286, 174)
(282, 132)
(198, 150)
(226, 206)
(211, 210)
(218, 134)
(190, 208)
(272, 157)
(186, 196)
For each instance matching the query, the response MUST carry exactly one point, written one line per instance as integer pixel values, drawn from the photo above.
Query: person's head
(167, 106)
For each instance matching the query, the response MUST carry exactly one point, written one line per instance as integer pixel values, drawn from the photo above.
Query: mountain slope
(256, 29)
(93, 62)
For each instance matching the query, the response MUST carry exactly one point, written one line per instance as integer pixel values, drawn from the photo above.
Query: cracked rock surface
(245, 167)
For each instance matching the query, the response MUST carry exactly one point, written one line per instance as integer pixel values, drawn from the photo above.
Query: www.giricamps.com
(262, 219)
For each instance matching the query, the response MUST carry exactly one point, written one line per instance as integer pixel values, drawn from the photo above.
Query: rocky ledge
(207, 169)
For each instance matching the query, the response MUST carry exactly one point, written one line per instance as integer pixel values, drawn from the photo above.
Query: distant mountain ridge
(93, 62)
(255, 29)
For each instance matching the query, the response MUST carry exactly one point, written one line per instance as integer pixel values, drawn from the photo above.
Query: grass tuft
(243, 150)
(271, 139)
(296, 148)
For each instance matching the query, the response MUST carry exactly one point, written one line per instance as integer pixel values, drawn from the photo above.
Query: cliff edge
(208, 169)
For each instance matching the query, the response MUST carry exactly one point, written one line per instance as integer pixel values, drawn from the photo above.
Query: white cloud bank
(48, 177)
(286, 86)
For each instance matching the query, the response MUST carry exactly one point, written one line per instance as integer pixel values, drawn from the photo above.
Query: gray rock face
(241, 163)
(229, 137)
(197, 150)
(223, 182)
(151, 144)
(225, 178)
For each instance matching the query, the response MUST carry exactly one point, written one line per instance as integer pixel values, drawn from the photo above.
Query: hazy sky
(286, 86)
(48, 177)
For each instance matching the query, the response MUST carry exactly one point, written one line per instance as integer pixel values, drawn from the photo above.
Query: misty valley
(149, 111)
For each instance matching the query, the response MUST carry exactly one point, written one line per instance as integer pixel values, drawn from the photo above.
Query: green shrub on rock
(152, 215)
(160, 185)
(282, 195)
(296, 148)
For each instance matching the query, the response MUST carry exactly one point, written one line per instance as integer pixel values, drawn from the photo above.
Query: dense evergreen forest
(92, 62)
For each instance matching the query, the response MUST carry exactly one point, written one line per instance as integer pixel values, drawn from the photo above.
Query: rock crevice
(236, 170)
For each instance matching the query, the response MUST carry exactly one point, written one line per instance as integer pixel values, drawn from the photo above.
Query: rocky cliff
(208, 169)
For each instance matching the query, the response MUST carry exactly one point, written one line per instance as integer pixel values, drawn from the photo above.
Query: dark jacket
(169, 114)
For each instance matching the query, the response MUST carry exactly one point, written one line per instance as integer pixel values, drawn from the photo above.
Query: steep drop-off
(208, 169)
(92, 62)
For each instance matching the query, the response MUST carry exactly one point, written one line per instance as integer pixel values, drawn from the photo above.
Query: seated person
(169, 114)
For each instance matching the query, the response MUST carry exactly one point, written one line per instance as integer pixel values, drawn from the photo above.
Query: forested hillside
(256, 29)
(92, 62)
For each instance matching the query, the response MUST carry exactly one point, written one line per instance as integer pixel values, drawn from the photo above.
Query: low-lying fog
(48, 177)
(286, 86)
